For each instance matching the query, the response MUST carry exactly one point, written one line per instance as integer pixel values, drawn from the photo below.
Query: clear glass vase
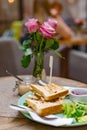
(39, 64)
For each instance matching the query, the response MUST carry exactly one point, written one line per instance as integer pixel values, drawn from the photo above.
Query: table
(11, 120)
(75, 40)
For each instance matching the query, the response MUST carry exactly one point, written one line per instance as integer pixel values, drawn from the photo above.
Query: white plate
(22, 100)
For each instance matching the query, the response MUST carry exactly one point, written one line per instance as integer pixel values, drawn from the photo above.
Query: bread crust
(50, 91)
(44, 108)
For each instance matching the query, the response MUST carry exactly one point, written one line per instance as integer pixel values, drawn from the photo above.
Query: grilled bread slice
(42, 107)
(50, 91)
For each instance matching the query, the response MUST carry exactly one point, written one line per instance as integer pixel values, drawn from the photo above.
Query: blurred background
(13, 13)
(11, 10)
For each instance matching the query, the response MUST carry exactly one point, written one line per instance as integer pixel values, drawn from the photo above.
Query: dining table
(76, 39)
(15, 120)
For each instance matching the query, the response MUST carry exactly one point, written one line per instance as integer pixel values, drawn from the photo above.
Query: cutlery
(43, 83)
(50, 119)
(29, 110)
(14, 75)
(39, 81)
(20, 108)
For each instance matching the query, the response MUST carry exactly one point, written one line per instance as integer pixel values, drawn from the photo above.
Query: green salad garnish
(75, 110)
(25, 104)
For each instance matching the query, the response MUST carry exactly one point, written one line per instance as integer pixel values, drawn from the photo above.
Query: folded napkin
(52, 120)
(49, 121)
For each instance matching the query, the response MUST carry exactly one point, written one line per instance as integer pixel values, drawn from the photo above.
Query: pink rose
(78, 21)
(46, 30)
(32, 25)
(52, 22)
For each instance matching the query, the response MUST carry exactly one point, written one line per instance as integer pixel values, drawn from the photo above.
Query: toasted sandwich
(42, 107)
(50, 91)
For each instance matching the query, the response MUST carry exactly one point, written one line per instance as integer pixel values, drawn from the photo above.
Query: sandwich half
(50, 91)
(42, 107)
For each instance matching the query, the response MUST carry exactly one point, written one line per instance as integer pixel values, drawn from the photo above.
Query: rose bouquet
(38, 39)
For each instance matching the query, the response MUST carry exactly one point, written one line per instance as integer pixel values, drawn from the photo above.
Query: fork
(29, 110)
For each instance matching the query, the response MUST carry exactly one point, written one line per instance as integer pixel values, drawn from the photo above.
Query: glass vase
(39, 64)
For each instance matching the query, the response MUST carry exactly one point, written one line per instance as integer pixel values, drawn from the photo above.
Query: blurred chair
(10, 56)
(10, 59)
(78, 66)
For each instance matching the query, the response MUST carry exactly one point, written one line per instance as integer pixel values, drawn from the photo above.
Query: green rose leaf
(25, 61)
(22, 48)
(26, 43)
(55, 45)
(49, 43)
(28, 52)
(59, 55)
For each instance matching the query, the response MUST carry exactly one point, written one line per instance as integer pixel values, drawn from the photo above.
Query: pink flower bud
(32, 25)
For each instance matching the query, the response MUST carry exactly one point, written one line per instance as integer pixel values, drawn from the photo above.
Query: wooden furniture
(64, 62)
(80, 39)
(75, 40)
(10, 121)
